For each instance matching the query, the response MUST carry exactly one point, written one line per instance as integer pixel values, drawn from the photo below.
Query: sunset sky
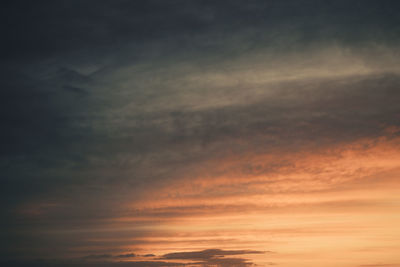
(200, 133)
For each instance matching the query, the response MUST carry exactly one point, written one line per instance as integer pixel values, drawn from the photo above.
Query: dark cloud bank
(100, 99)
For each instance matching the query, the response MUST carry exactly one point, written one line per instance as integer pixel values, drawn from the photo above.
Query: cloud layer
(150, 133)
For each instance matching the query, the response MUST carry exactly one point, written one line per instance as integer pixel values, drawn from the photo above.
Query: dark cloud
(35, 30)
(128, 255)
(207, 254)
(213, 257)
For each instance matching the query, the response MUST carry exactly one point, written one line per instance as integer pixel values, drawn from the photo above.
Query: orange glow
(313, 208)
(327, 205)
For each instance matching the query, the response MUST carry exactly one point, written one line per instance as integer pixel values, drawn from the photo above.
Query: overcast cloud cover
(120, 118)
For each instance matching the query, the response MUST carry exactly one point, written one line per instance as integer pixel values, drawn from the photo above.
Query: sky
(200, 133)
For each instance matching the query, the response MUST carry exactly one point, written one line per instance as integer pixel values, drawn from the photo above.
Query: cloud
(213, 257)
(207, 254)
(128, 255)
(148, 255)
